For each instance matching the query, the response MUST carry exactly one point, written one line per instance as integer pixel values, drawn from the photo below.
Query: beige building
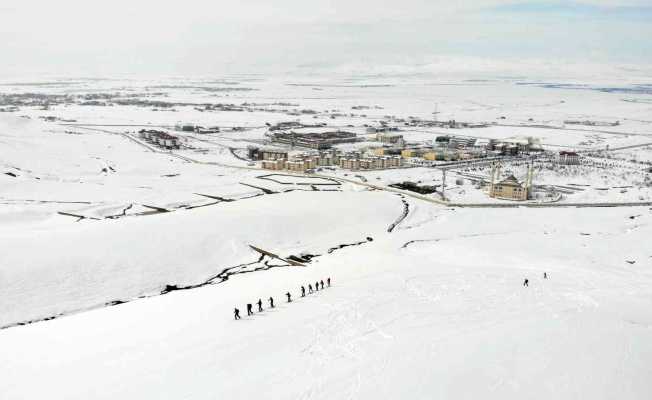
(350, 163)
(465, 155)
(441, 155)
(431, 156)
(329, 159)
(275, 165)
(380, 151)
(302, 164)
(386, 137)
(367, 164)
(321, 159)
(296, 166)
(395, 161)
(299, 163)
(274, 155)
(310, 163)
(409, 153)
(370, 163)
(509, 189)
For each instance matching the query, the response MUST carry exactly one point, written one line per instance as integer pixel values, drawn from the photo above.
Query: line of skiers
(526, 282)
(319, 285)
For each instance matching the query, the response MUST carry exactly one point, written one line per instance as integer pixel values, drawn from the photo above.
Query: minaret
(528, 181)
(493, 179)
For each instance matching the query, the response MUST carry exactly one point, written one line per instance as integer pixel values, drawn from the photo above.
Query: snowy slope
(86, 265)
(433, 309)
(430, 319)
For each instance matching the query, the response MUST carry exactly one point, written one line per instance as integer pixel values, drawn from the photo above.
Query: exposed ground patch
(284, 179)
(404, 214)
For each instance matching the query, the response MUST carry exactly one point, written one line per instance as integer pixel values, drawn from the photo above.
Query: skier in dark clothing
(289, 297)
(316, 285)
(322, 284)
(260, 305)
(271, 302)
(526, 282)
(545, 275)
(249, 312)
(236, 314)
(309, 288)
(328, 282)
(303, 291)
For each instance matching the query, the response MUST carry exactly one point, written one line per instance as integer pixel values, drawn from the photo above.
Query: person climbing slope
(260, 305)
(303, 291)
(271, 302)
(289, 297)
(236, 314)
(249, 312)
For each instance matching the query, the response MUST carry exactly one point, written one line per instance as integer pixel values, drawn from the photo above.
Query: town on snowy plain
(136, 215)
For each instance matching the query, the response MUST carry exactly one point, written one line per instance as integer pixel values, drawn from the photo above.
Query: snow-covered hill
(121, 263)
(434, 309)
(46, 273)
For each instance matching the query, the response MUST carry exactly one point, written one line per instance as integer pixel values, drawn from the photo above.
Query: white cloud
(201, 35)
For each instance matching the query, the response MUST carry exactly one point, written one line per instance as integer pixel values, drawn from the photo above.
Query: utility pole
(491, 183)
(528, 182)
(443, 183)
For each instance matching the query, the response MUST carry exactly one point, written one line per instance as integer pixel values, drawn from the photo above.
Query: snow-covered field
(434, 309)
(121, 263)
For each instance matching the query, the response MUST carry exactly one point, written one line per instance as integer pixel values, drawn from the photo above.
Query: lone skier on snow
(526, 282)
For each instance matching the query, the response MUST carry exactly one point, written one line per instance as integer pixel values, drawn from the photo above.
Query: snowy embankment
(84, 265)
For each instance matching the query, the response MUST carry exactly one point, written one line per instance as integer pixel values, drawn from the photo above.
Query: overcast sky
(84, 37)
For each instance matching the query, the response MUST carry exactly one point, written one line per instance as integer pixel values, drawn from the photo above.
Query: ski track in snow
(474, 235)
